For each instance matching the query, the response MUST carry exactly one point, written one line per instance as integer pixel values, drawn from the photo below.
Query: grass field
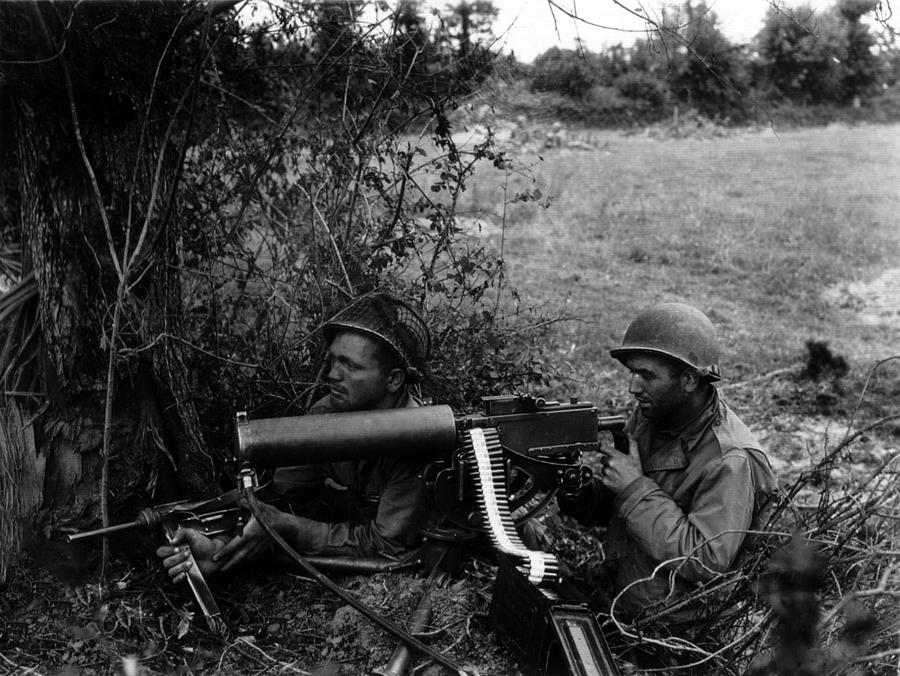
(752, 228)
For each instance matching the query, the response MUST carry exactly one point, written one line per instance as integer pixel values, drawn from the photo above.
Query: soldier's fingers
(252, 547)
(176, 558)
(181, 574)
(182, 536)
(178, 569)
(249, 550)
(231, 549)
(191, 537)
(633, 452)
(632, 446)
(233, 560)
(604, 479)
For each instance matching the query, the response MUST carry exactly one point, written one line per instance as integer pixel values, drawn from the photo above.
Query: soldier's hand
(177, 554)
(620, 469)
(251, 542)
(574, 481)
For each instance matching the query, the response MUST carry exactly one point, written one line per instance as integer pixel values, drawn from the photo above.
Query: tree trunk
(96, 165)
(69, 252)
(22, 466)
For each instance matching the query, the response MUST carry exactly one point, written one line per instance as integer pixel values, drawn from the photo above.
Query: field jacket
(685, 520)
(369, 507)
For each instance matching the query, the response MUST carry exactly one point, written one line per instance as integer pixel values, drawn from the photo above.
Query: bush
(643, 87)
(564, 71)
(276, 247)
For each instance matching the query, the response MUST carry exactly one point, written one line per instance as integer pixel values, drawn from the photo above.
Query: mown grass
(751, 228)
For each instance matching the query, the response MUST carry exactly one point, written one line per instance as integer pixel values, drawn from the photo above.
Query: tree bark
(91, 141)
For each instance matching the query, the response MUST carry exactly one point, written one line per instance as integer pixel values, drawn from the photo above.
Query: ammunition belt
(489, 473)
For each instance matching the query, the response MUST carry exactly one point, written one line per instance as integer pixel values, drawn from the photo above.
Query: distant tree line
(801, 57)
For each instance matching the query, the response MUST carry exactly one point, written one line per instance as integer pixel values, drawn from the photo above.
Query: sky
(527, 27)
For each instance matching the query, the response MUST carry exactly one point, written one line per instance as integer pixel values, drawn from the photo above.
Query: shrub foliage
(253, 181)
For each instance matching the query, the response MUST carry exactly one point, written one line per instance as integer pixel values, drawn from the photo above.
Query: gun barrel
(425, 432)
(71, 537)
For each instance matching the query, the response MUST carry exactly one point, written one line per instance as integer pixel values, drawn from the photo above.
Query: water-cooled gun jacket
(370, 507)
(702, 489)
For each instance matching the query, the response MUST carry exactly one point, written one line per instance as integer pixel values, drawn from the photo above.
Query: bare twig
(18, 667)
(334, 245)
(865, 389)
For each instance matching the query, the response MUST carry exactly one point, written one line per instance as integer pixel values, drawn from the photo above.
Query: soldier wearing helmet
(678, 506)
(377, 349)
(400, 343)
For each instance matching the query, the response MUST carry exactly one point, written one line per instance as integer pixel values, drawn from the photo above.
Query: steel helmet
(674, 330)
(394, 322)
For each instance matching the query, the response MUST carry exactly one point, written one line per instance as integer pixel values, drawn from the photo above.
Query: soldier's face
(356, 379)
(659, 393)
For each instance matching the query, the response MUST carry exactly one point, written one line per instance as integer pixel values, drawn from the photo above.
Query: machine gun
(488, 473)
(542, 445)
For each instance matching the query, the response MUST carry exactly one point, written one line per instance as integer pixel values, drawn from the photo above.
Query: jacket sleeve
(704, 540)
(395, 528)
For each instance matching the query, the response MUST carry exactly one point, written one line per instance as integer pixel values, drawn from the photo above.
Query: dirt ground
(277, 622)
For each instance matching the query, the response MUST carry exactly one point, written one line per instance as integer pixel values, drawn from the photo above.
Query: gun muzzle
(148, 519)
(72, 537)
(426, 432)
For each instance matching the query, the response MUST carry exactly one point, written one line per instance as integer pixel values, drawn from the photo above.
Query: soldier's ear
(395, 380)
(690, 380)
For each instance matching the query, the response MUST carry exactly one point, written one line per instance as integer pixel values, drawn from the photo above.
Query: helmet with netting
(674, 330)
(393, 321)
